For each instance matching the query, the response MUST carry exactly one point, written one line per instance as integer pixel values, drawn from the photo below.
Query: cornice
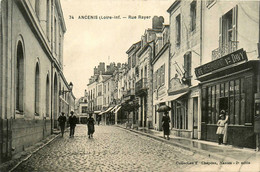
(35, 26)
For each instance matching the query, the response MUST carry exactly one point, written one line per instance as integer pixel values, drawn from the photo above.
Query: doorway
(223, 104)
(195, 117)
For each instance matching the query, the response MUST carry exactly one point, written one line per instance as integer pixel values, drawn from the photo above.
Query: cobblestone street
(111, 149)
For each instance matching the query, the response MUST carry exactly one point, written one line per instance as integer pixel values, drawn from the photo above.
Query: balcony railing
(141, 85)
(224, 49)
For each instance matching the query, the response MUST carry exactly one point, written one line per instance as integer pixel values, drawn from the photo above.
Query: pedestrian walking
(91, 126)
(166, 125)
(222, 128)
(62, 121)
(98, 119)
(72, 122)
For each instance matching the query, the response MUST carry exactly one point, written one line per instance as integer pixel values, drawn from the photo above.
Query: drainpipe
(200, 97)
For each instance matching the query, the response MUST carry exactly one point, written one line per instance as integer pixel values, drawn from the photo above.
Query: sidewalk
(20, 157)
(225, 153)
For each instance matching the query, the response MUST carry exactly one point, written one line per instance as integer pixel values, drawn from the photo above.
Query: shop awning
(176, 96)
(118, 109)
(161, 100)
(108, 109)
(170, 98)
(114, 108)
(101, 113)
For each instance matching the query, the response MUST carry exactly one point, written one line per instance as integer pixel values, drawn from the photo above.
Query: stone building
(160, 67)
(229, 70)
(31, 75)
(185, 56)
(144, 73)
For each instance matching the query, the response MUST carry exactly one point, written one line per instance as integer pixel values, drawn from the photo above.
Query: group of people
(221, 130)
(73, 122)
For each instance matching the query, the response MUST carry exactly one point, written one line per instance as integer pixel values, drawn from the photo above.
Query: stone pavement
(231, 158)
(114, 149)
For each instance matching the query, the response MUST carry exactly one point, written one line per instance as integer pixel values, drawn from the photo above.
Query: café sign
(230, 59)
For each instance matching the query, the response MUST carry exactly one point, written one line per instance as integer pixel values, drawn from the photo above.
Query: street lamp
(62, 92)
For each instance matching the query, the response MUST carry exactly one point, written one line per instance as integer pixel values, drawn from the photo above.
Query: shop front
(229, 84)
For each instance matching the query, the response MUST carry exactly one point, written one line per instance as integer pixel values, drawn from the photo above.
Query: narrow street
(111, 149)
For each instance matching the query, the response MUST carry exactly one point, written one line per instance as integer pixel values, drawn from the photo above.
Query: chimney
(158, 22)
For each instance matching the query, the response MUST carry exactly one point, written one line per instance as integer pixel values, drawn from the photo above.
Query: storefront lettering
(235, 57)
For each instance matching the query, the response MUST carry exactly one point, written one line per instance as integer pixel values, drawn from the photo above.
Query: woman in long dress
(166, 125)
(91, 126)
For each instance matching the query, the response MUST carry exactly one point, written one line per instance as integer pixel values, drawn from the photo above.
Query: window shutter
(234, 24)
(154, 81)
(158, 78)
(220, 32)
(189, 64)
(163, 74)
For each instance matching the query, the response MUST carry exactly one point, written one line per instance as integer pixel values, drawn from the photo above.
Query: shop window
(178, 30)
(193, 9)
(228, 96)
(181, 116)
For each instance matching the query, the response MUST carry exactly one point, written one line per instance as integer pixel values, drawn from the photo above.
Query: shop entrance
(223, 104)
(195, 117)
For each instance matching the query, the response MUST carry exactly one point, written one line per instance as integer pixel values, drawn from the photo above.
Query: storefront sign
(235, 57)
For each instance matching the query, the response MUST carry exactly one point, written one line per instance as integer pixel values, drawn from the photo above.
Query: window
(228, 32)
(37, 91)
(84, 109)
(47, 97)
(193, 8)
(19, 77)
(178, 30)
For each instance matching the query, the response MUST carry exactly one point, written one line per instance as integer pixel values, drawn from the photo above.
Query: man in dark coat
(62, 120)
(72, 122)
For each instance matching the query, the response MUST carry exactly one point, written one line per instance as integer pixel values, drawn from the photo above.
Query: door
(195, 117)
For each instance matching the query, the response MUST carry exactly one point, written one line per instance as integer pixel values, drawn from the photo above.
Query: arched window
(37, 91)
(19, 75)
(47, 97)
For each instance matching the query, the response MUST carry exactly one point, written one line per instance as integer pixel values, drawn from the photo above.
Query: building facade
(31, 80)
(185, 56)
(160, 67)
(229, 73)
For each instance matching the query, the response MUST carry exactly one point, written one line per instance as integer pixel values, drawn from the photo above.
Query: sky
(90, 41)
